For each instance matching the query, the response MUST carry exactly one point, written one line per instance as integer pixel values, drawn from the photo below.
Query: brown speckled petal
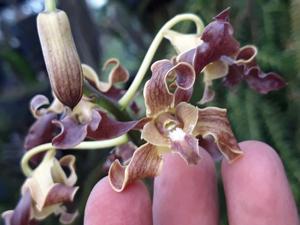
(213, 121)
(156, 93)
(145, 162)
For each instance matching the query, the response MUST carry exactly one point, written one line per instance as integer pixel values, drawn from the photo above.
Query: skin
(256, 188)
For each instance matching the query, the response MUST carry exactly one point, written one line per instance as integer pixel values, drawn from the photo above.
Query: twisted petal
(145, 162)
(110, 128)
(167, 83)
(264, 82)
(59, 175)
(213, 121)
(185, 145)
(74, 132)
(156, 93)
(21, 214)
(36, 103)
(217, 40)
(40, 132)
(245, 68)
(117, 74)
(122, 153)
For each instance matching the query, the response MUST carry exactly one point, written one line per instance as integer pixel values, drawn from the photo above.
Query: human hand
(256, 189)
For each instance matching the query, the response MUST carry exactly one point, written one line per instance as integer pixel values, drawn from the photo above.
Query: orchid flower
(217, 54)
(173, 125)
(46, 192)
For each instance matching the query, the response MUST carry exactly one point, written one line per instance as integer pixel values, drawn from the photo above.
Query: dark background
(124, 29)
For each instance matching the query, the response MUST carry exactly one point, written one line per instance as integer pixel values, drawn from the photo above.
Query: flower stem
(91, 145)
(129, 95)
(50, 5)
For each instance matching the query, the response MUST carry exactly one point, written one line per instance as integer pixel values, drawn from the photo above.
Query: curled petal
(145, 162)
(117, 74)
(264, 82)
(36, 103)
(213, 121)
(246, 55)
(110, 128)
(60, 193)
(182, 42)
(21, 214)
(217, 40)
(185, 75)
(185, 145)
(72, 133)
(41, 131)
(187, 114)
(66, 217)
(152, 135)
(156, 93)
(58, 173)
(122, 153)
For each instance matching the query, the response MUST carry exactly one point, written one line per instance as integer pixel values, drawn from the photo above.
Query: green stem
(91, 145)
(129, 95)
(50, 5)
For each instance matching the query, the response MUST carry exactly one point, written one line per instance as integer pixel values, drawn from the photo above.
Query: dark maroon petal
(110, 128)
(72, 133)
(60, 193)
(264, 82)
(21, 214)
(218, 41)
(41, 131)
(235, 76)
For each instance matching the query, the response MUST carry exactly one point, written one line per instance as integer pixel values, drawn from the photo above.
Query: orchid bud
(61, 57)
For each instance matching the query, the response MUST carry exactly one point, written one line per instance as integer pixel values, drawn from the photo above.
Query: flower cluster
(171, 124)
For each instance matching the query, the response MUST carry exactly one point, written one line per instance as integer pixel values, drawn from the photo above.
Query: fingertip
(186, 194)
(105, 206)
(257, 189)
